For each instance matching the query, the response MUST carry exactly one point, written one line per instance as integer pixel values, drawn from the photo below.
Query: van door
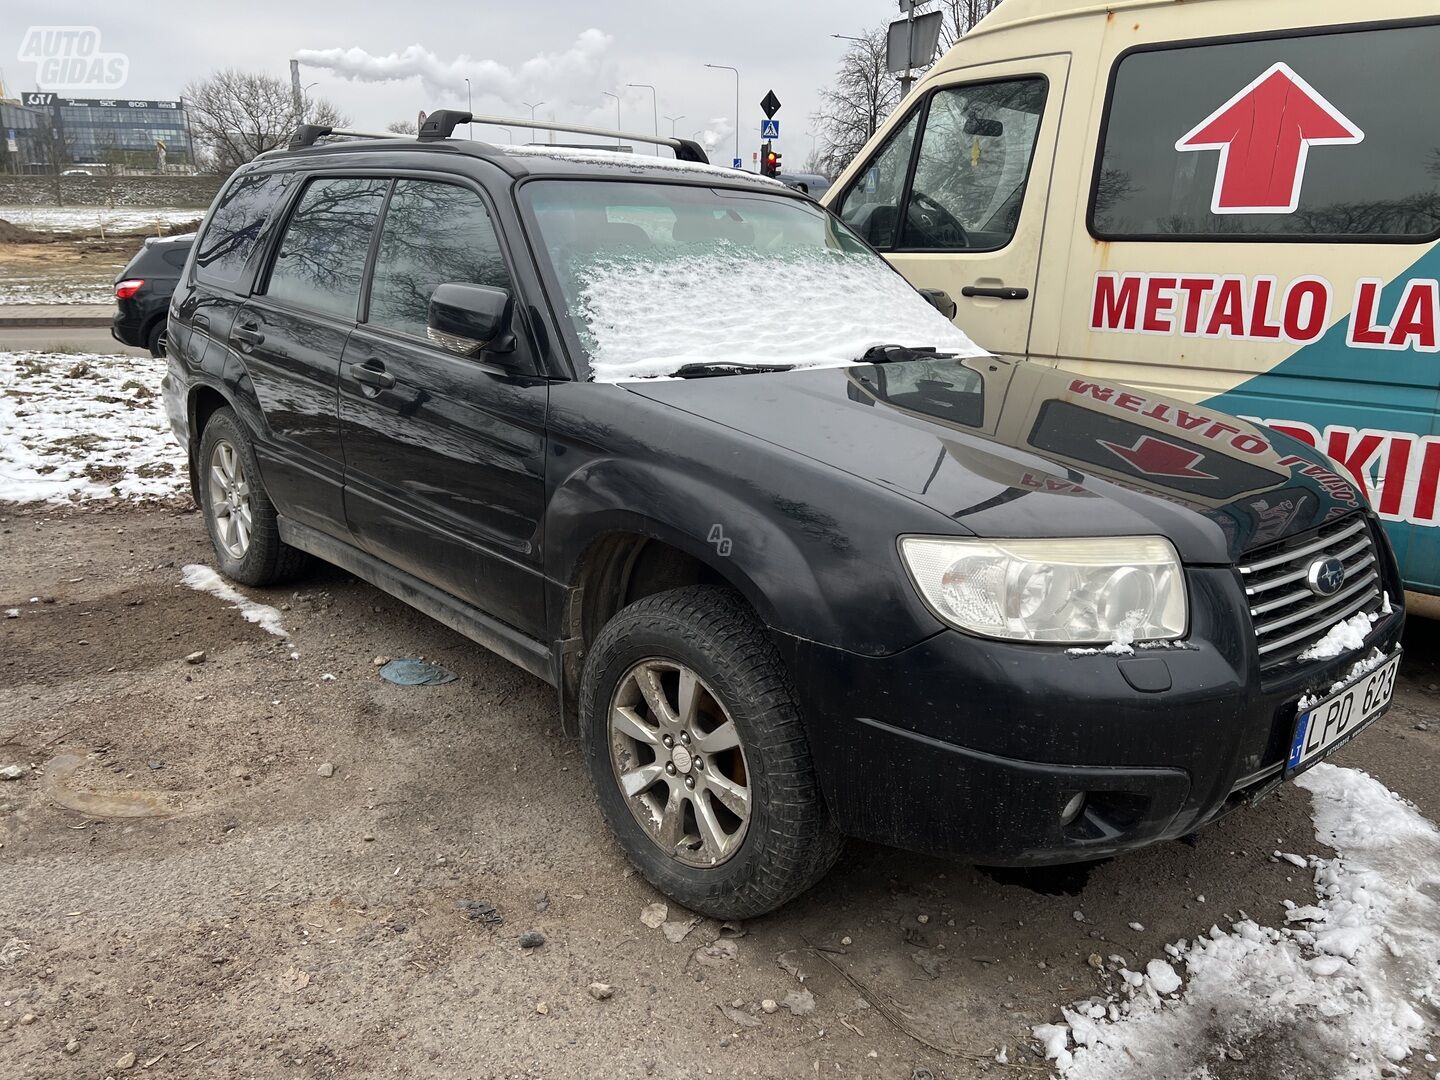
(955, 196)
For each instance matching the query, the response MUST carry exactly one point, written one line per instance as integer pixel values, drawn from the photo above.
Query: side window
(224, 246)
(433, 233)
(872, 205)
(972, 167)
(1323, 136)
(321, 260)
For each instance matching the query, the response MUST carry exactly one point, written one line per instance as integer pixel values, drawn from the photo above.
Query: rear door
(445, 454)
(291, 336)
(955, 196)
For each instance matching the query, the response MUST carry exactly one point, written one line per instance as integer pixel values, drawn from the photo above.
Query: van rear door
(954, 194)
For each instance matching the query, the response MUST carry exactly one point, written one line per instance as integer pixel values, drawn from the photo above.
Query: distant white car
(76, 172)
(812, 184)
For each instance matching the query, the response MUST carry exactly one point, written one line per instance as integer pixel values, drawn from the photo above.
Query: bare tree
(238, 115)
(858, 102)
(960, 16)
(402, 127)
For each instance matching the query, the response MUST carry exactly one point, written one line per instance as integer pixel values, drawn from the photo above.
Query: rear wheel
(156, 339)
(239, 516)
(698, 756)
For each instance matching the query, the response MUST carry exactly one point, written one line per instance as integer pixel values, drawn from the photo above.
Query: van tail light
(124, 290)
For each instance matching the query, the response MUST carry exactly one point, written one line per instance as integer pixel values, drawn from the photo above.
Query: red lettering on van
(1260, 327)
(1415, 317)
(1116, 303)
(1159, 309)
(1363, 331)
(1228, 314)
(1307, 309)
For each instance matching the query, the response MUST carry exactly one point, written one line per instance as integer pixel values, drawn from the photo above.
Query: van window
(433, 233)
(1326, 136)
(321, 260)
(970, 172)
(871, 206)
(224, 246)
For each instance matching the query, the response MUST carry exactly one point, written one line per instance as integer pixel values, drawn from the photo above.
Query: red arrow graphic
(1156, 457)
(1264, 134)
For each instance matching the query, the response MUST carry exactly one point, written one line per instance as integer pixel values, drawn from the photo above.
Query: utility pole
(532, 109)
(727, 67)
(295, 94)
(654, 105)
(618, 124)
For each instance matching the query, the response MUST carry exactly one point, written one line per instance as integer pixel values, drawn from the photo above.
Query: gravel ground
(183, 893)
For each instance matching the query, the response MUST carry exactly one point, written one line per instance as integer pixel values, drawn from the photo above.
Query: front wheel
(698, 756)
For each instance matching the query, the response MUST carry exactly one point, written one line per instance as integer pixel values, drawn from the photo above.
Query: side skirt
(534, 656)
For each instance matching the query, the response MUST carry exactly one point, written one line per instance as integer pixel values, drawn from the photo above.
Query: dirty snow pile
(1339, 992)
(1344, 636)
(726, 306)
(85, 426)
(97, 218)
(204, 579)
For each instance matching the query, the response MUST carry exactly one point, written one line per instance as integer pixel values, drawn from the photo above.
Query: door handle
(372, 373)
(249, 333)
(998, 292)
(201, 323)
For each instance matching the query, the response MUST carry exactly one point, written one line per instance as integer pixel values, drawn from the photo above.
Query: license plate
(1328, 724)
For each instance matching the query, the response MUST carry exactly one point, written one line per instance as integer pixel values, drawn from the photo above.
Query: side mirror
(940, 301)
(465, 319)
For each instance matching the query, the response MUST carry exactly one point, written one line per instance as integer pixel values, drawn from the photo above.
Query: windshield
(657, 277)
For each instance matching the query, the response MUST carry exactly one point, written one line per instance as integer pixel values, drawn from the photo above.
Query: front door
(444, 454)
(955, 196)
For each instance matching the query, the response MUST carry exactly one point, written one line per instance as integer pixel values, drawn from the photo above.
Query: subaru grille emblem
(1326, 576)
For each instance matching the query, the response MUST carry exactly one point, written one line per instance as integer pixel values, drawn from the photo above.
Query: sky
(560, 53)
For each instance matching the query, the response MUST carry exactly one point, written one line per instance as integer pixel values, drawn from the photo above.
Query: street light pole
(654, 105)
(672, 120)
(727, 67)
(618, 124)
(532, 109)
(470, 108)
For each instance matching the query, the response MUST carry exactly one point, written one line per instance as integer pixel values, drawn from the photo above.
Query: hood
(1016, 449)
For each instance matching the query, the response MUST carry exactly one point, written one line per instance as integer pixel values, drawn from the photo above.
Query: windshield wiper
(704, 371)
(894, 354)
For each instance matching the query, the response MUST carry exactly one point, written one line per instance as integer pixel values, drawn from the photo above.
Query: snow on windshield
(645, 317)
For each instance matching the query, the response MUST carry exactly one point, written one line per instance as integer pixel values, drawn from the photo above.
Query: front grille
(1288, 617)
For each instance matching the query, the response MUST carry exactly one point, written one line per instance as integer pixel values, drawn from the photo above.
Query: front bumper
(971, 748)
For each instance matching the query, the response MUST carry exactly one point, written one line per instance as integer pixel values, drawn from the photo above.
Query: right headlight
(1073, 592)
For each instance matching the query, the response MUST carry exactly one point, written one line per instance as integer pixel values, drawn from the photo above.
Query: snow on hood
(643, 317)
(634, 161)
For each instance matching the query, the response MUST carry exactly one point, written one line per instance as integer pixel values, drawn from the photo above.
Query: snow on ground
(1342, 990)
(85, 426)
(204, 579)
(52, 287)
(819, 310)
(94, 219)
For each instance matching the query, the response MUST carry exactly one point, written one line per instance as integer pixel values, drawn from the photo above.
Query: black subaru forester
(800, 560)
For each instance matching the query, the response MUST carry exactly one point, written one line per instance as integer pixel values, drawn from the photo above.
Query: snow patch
(1342, 990)
(207, 580)
(97, 218)
(1343, 637)
(634, 162)
(84, 426)
(821, 309)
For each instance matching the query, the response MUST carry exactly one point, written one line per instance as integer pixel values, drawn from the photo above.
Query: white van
(1227, 201)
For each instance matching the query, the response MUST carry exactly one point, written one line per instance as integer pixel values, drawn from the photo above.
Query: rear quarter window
(1321, 136)
(228, 238)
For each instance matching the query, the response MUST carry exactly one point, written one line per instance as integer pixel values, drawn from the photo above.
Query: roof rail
(441, 124)
(309, 134)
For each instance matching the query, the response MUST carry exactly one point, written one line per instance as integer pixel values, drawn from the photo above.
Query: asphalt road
(180, 882)
(92, 339)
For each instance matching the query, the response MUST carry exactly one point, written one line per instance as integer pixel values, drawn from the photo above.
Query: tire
(264, 559)
(155, 339)
(788, 841)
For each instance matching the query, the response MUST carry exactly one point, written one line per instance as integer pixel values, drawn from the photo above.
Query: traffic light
(769, 160)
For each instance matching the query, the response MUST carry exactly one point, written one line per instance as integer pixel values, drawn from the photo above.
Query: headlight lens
(1074, 592)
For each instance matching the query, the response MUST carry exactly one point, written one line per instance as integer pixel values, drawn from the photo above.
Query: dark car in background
(143, 290)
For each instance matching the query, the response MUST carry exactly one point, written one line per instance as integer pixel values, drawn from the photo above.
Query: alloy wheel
(678, 760)
(230, 500)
